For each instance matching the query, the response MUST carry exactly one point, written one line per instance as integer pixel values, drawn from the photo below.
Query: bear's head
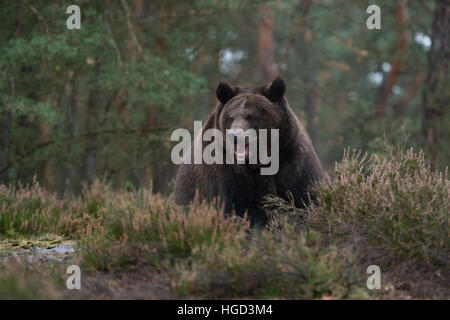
(241, 109)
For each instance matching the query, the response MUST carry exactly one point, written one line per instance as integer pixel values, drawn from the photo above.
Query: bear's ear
(224, 92)
(276, 89)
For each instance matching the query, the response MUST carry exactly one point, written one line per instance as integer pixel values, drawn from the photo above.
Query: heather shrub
(19, 280)
(145, 227)
(210, 255)
(391, 207)
(269, 267)
(388, 209)
(28, 209)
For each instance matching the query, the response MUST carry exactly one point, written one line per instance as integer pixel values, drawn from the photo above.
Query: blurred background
(102, 101)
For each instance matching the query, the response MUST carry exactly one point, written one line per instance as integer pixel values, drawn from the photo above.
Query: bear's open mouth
(241, 155)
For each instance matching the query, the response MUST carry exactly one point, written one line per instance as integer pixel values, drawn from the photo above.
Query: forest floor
(388, 210)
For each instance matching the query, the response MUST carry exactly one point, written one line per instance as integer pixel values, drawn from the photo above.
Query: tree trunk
(5, 141)
(5, 116)
(397, 63)
(72, 173)
(412, 90)
(436, 94)
(265, 44)
(90, 152)
(308, 72)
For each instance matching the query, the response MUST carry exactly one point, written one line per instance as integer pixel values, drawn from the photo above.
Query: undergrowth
(387, 209)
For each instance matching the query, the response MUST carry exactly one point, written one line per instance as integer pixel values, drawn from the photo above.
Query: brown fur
(241, 187)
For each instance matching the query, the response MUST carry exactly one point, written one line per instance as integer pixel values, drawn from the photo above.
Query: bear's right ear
(224, 92)
(276, 90)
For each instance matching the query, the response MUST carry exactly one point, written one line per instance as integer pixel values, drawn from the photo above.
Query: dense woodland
(85, 169)
(102, 101)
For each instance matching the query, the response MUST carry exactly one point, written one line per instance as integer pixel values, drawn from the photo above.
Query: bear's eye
(250, 118)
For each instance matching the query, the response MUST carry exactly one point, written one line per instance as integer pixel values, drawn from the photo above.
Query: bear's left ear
(224, 92)
(275, 91)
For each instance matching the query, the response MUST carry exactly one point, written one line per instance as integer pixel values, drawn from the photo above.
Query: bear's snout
(235, 132)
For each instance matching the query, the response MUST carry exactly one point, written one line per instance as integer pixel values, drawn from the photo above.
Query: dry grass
(267, 267)
(390, 210)
(20, 280)
(393, 207)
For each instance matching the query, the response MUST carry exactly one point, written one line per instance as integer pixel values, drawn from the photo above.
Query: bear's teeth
(240, 156)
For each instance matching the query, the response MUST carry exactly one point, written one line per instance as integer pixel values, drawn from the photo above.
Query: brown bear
(242, 187)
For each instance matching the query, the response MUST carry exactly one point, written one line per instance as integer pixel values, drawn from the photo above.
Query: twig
(35, 11)
(429, 9)
(298, 26)
(116, 48)
(130, 25)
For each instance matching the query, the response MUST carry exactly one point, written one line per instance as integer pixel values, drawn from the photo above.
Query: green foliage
(141, 227)
(269, 267)
(116, 87)
(65, 86)
(390, 205)
(205, 253)
(101, 101)
(28, 210)
(19, 281)
(387, 209)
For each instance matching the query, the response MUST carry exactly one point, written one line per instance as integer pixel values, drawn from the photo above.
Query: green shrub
(270, 267)
(19, 280)
(392, 207)
(28, 210)
(145, 227)
(386, 209)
